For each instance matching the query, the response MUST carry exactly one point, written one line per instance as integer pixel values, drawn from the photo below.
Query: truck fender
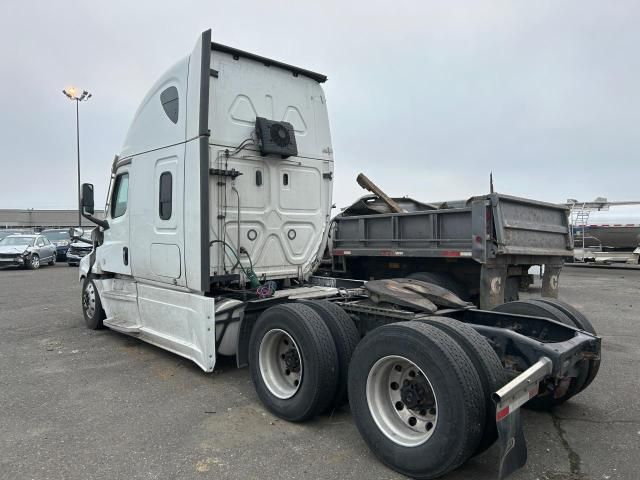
(244, 334)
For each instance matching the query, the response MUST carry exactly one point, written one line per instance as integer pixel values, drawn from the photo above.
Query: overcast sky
(425, 97)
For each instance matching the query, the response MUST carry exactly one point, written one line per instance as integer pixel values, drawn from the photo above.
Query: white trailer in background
(217, 215)
(606, 232)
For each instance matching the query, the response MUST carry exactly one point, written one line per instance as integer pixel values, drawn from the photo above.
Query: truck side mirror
(87, 198)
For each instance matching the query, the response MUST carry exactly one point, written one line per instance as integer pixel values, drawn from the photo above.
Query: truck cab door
(113, 255)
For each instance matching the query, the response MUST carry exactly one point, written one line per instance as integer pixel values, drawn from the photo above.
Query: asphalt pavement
(82, 404)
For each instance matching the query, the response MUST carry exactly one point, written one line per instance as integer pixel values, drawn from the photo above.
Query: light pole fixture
(72, 93)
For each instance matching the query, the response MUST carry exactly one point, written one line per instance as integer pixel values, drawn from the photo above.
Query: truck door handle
(125, 255)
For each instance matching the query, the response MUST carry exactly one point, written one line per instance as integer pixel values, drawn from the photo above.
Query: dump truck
(481, 248)
(218, 205)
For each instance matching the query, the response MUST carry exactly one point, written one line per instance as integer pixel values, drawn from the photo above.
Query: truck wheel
(582, 322)
(345, 336)
(442, 280)
(533, 309)
(486, 362)
(546, 401)
(293, 362)
(91, 305)
(33, 263)
(416, 399)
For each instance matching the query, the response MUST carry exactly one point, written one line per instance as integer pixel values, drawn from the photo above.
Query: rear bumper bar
(521, 389)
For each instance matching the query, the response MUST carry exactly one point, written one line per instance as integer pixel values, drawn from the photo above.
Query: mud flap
(508, 400)
(513, 446)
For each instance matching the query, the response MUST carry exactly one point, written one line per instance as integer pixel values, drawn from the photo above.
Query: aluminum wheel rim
(89, 300)
(388, 379)
(280, 362)
(35, 261)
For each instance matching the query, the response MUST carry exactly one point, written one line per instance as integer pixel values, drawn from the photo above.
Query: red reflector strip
(450, 253)
(502, 413)
(516, 402)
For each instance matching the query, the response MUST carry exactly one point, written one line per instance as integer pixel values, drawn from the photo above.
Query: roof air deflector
(318, 77)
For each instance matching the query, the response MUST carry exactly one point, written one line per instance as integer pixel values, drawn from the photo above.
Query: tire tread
(345, 336)
(486, 362)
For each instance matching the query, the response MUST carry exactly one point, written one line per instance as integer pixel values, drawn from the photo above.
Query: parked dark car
(79, 249)
(28, 251)
(61, 239)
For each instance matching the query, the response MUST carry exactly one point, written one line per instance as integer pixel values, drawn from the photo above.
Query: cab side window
(120, 196)
(166, 195)
(40, 242)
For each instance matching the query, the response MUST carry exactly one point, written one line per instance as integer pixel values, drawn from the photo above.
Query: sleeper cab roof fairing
(268, 62)
(152, 127)
(161, 111)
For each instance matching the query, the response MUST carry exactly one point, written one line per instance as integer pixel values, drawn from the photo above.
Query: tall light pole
(72, 94)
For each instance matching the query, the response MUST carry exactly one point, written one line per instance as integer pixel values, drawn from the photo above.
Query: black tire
(534, 309)
(486, 362)
(575, 315)
(442, 280)
(453, 380)
(582, 322)
(546, 400)
(92, 310)
(33, 262)
(314, 344)
(345, 336)
(52, 262)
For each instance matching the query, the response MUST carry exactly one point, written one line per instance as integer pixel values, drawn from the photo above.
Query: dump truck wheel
(91, 305)
(345, 337)
(582, 322)
(293, 362)
(546, 401)
(442, 280)
(486, 362)
(416, 399)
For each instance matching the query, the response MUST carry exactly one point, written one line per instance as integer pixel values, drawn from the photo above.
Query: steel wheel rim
(280, 362)
(35, 261)
(89, 300)
(391, 389)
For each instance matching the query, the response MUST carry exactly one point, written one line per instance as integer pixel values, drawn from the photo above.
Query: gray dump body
(493, 236)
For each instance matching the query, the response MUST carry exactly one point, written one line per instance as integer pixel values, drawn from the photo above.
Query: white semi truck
(218, 210)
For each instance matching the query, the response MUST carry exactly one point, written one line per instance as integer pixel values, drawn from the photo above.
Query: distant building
(40, 219)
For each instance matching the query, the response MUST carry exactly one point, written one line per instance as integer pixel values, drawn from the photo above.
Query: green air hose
(249, 273)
